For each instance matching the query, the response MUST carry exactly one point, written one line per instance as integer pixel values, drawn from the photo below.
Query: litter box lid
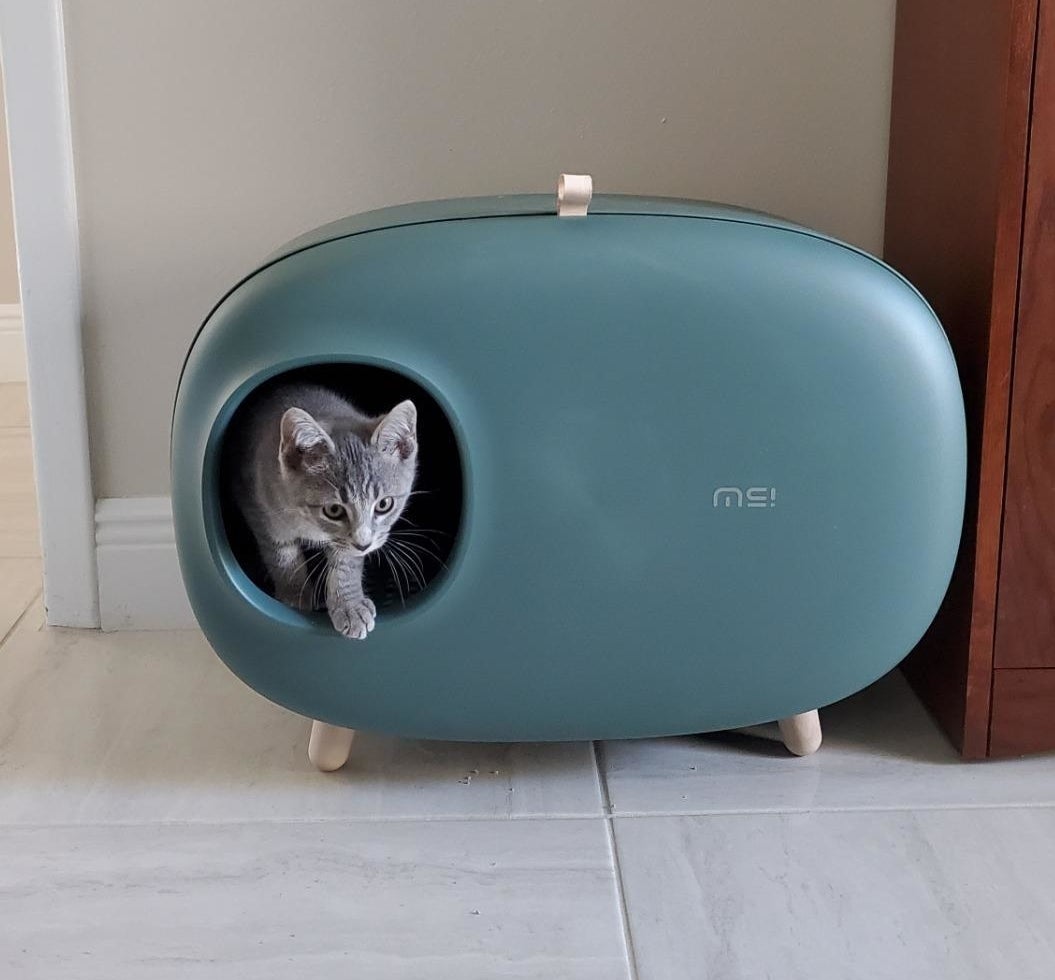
(714, 466)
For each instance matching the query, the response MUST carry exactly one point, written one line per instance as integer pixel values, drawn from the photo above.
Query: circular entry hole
(417, 553)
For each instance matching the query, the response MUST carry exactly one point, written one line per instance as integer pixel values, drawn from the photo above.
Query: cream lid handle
(573, 195)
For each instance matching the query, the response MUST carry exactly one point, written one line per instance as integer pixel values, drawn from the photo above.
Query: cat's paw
(354, 618)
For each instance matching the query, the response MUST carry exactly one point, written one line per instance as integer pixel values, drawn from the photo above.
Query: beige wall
(8, 262)
(208, 131)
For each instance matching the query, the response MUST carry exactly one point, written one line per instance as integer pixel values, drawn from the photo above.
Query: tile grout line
(243, 821)
(821, 810)
(490, 818)
(613, 849)
(22, 615)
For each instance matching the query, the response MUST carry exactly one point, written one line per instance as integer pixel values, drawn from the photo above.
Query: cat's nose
(362, 540)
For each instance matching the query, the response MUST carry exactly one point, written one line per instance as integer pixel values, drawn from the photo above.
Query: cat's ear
(304, 444)
(397, 432)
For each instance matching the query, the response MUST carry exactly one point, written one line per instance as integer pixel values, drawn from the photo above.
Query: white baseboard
(140, 587)
(12, 343)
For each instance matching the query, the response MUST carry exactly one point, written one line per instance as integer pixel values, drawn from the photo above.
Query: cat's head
(351, 489)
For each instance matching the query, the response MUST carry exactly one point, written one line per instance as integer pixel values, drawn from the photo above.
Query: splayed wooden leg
(329, 746)
(801, 733)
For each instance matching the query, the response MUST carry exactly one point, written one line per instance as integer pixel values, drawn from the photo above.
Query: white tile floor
(158, 819)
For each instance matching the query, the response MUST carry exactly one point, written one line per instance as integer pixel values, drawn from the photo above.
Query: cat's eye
(333, 512)
(384, 505)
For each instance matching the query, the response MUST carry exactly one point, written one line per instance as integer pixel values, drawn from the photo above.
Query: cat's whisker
(313, 573)
(408, 570)
(411, 573)
(420, 571)
(316, 581)
(414, 559)
(388, 578)
(303, 586)
(419, 548)
(307, 577)
(403, 519)
(404, 593)
(400, 532)
(318, 597)
(421, 555)
(311, 555)
(419, 532)
(395, 577)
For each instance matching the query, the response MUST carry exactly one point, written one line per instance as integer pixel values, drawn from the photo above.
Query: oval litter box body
(713, 467)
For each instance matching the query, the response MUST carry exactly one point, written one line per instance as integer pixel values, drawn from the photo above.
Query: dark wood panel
(1023, 715)
(959, 128)
(1025, 631)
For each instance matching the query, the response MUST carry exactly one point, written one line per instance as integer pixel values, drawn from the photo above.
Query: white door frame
(32, 45)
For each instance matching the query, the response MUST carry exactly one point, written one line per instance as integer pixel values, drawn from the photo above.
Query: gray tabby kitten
(312, 470)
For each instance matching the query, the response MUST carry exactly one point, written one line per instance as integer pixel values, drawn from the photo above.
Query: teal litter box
(689, 467)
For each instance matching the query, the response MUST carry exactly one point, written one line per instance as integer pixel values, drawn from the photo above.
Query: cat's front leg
(351, 612)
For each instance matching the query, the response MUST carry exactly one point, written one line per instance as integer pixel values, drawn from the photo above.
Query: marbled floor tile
(20, 583)
(19, 537)
(449, 899)
(881, 750)
(14, 405)
(128, 726)
(926, 895)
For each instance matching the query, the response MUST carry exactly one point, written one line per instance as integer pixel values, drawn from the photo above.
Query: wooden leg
(801, 733)
(329, 746)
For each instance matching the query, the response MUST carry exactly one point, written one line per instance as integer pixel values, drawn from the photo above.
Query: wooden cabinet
(971, 221)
